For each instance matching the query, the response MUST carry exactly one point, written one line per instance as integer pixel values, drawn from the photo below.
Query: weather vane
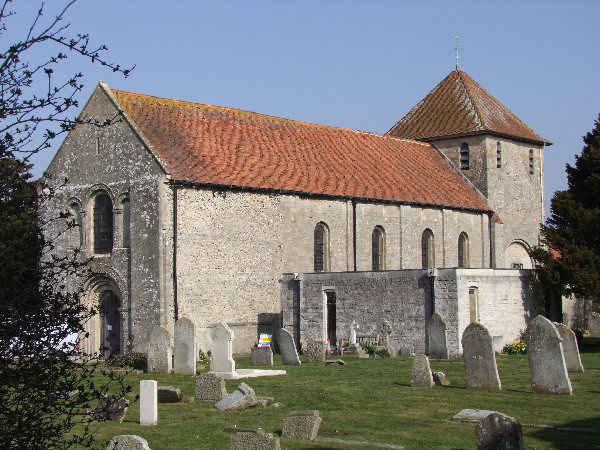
(456, 50)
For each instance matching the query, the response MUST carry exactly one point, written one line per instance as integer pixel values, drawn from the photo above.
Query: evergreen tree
(571, 265)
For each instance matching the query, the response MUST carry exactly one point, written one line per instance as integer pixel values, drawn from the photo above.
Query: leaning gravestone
(289, 354)
(499, 431)
(242, 398)
(250, 440)
(480, 359)
(301, 425)
(570, 349)
(185, 347)
(593, 323)
(128, 442)
(546, 359)
(438, 346)
(420, 374)
(111, 407)
(222, 360)
(210, 387)
(315, 351)
(159, 351)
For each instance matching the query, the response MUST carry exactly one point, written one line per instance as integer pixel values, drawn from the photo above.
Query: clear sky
(356, 64)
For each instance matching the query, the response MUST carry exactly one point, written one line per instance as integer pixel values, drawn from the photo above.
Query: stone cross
(386, 330)
(222, 360)
(185, 347)
(148, 402)
(546, 359)
(480, 359)
(353, 330)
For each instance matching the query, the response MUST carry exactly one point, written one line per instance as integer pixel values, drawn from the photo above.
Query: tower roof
(460, 106)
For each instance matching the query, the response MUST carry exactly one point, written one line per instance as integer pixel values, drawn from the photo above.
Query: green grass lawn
(372, 400)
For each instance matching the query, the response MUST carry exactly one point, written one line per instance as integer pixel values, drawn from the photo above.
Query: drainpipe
(354, 232)
(492, 237)
(175, 306)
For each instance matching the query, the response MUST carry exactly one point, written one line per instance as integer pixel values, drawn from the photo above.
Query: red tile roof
(459, 106)
(213, 145)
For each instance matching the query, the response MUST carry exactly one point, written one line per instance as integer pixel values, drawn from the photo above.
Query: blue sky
(355, 64)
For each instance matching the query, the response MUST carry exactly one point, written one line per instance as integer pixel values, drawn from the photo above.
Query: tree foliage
(571, 264)
(47, 385)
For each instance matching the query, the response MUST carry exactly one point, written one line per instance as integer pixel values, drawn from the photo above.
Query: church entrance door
(331, 318)
(110, 323)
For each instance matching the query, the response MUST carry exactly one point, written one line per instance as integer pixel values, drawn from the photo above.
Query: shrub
(369, 349)
(138, 361)
(384, 353)
(516, 347)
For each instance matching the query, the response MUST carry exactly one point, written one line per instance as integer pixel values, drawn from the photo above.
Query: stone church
(213, 213)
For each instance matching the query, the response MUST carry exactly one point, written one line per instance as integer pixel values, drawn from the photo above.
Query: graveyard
(371, 400)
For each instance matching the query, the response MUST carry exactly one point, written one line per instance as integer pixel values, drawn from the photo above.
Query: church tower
(491, 147)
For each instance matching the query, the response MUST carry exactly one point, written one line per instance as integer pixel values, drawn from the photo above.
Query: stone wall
(507, 300)
(113, 160)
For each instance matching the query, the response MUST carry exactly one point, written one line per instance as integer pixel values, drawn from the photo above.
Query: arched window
(126, 212)
(531, 161)
(103, 224)
(321, 247)
(463, 250)
(427, 250)
(75, 231)
(498, 155)
(464, 156)
(378, 246)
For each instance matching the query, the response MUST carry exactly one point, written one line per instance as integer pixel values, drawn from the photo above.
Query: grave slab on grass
(246, 440)
(301, 425)
(169, 394)
(471, 415)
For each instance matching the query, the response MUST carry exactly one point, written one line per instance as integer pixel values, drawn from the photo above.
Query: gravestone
(111, 407)
(169, 394)
(301, 425)
(420, 374)
(248, 441)
(593, 323)
(438, 340)
(315, 351)
(499, 431)
(546, 359)
(185, 347)
(210, 387)
(480, 359)
(222, 360)
(128, 442)
(289, 354)
(159, 351)
(261, 356)
(148, 402)
(242, 398)
(385, 330)
(570, 349)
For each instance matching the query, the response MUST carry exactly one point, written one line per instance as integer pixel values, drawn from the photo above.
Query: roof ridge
(482, 125)
(260, 115)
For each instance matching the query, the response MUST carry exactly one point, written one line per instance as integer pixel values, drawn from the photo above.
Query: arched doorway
(110, 322)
